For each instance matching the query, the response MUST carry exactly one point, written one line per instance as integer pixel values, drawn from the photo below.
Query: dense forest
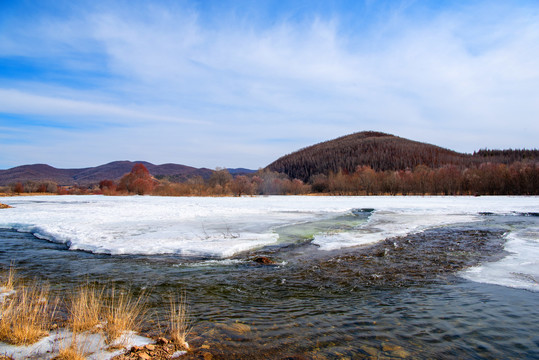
(366, 163)
(506, 156)
(377, 150)
(382, 152)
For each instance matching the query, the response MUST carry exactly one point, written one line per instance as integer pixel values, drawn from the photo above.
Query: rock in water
(395, 351)
(263, 260)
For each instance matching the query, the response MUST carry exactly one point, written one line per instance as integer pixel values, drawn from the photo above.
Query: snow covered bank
(92, 345)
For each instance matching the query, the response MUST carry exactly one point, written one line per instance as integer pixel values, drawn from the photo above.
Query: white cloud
(17, 102)
(436, 78)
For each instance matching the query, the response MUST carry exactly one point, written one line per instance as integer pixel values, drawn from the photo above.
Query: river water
(396, 277)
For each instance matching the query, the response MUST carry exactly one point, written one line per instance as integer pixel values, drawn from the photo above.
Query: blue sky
(241, 83)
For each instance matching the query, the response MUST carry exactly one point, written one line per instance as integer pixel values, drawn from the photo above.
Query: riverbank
(90, 321)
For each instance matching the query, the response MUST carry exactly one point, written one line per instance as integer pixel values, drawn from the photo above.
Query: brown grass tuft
(9, 282)
(179, 326)
(122, 313)
(69, 353)
(26, 315)
(85, 309)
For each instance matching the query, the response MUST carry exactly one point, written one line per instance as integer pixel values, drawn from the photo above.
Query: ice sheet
(519, 269)
(221, 227)
(385, 224)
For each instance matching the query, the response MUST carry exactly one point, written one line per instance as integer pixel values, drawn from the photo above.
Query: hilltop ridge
(378, 150)
(91, 175)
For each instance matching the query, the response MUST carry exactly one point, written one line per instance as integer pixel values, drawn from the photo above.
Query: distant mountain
(115, 170)
(112, 171)
(240, 171)
(38, 172)
(378, 150)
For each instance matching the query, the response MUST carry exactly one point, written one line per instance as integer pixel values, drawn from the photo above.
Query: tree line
(517, 178)
(220, 183)
(485, 179)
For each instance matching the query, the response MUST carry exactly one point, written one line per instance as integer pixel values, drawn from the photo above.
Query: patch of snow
(5, 293)
(177, 354)
(92, 345)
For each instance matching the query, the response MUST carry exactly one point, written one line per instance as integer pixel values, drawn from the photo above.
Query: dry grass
(9, 282)
(85, 309)
(122, 313)
(70, 353)
(118, 312)
(12, 194)
(179, 321)
(26, 315)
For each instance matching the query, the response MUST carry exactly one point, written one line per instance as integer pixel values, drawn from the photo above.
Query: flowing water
(430, 278)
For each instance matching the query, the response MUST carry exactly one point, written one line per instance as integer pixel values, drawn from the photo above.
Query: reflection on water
(399, 298)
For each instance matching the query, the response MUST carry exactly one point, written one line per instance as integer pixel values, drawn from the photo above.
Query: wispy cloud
(17, 102)
(215, 87)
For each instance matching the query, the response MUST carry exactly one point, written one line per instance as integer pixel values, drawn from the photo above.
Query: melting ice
(519, 269)
(223, 227)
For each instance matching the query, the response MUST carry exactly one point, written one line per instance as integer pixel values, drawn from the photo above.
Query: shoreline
(7, 195)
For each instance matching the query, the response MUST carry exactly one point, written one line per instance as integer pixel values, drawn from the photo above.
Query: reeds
(179, 325)
(26, 315)
(85, 313)
(8, 283)
(70, 353)
(115, 313)
(85, 309)
(122, 313)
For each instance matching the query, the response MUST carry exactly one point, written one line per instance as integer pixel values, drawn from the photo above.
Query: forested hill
(378, 150)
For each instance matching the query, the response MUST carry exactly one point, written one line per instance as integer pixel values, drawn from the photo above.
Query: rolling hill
(378, 150)
(84, 176)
